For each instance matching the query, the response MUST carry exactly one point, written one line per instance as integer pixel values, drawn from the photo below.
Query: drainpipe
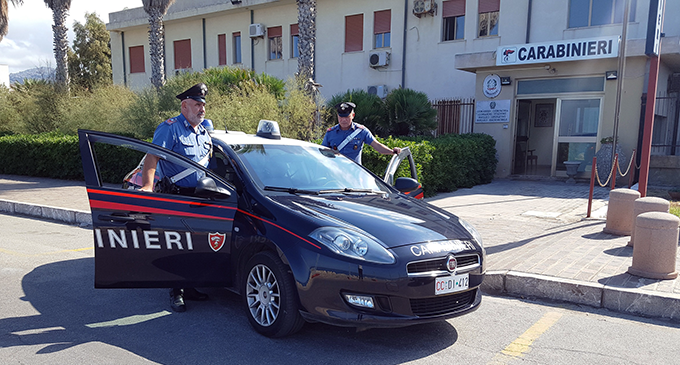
(403, 47)
(205, 61)
(122, 42)
(529, 21)
(252, 43)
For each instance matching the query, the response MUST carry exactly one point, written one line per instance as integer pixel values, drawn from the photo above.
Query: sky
(28, 43)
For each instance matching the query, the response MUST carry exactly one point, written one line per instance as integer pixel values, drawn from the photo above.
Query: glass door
(577, 133)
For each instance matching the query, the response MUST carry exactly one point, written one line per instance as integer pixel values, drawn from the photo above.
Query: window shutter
(382, 21)
(136, 59)
(274, 32)
(294, 30)
(487, 6)
(222, 48)
(354, 33)
(182, 54)
(453, 8)
(236, 34)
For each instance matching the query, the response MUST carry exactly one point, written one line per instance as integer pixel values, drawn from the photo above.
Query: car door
(394, 164)
(153, 240)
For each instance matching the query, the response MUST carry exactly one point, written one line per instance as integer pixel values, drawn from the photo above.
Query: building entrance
(534, 135)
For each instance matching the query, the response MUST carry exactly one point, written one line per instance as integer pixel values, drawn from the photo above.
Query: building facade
(542, 72)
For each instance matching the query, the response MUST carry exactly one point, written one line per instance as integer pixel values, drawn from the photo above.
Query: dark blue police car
(300, 231)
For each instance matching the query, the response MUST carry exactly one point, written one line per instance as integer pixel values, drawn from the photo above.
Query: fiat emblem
(451, 263)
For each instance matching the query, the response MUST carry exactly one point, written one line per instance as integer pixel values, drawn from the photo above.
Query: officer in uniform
(185, 135)
(349, 138)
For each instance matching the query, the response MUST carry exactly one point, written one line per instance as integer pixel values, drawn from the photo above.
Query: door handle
(115, 218)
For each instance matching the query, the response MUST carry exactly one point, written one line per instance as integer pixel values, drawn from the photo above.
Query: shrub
(409, 113)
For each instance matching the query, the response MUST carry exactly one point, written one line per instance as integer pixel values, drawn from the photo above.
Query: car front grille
(437, 266)
(442, 304)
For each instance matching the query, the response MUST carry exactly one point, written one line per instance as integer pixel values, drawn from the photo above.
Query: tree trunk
(59, 13)
(307, 34)
(157, 47)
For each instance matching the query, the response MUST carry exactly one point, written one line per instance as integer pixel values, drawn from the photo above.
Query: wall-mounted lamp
(235, 2)
(611, 75)
(506, 80)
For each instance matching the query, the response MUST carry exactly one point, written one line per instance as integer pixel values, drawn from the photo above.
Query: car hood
(393, 219)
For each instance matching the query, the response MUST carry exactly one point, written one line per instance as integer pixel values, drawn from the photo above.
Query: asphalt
(539, 243)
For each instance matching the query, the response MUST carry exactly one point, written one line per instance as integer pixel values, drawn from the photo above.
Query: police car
(301, 232)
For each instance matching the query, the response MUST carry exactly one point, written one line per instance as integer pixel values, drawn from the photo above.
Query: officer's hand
(146, 188)
(396, 150)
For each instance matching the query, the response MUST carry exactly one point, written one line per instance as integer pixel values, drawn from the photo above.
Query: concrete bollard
(619, 217)
(656, 246)
(644, 205)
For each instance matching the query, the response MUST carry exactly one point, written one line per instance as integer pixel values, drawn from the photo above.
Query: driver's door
(153, 240)
(394, 164)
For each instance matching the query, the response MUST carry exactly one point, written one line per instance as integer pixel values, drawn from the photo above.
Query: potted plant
(604, 157)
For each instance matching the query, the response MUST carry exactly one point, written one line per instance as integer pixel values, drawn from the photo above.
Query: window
(488, 17)
(182, 54)
(237, 46)
(382, 22)
(222, 49)
(585, 13)
(136, 59)
(453, 14)
(294, 41)
(275, 44)
(354, 33)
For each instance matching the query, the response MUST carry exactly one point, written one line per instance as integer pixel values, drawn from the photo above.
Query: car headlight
(475, 235)
(353, 244)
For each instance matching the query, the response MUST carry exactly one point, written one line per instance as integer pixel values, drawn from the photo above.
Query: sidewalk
(539, 243)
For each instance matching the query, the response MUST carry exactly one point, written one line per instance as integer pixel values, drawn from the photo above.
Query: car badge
(451, 263)
(216, 240)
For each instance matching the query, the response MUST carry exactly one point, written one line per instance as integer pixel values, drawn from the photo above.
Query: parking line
(522, 344)
(15, 253)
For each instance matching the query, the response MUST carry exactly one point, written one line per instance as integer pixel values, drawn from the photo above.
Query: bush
(409, 113)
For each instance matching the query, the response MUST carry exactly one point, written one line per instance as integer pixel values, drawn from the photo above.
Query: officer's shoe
(193, 294)
(177, 300)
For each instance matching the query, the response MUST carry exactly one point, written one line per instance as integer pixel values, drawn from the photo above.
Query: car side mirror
(206, 188)
(406, 184)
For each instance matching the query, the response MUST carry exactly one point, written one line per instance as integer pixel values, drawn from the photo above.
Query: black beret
(196, 92)
(345, 108)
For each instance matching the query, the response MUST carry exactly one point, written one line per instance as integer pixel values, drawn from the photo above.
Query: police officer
(185, 135)
(349, 138)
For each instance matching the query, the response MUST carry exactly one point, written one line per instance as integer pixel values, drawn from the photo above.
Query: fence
(666, 136)
(455, 116)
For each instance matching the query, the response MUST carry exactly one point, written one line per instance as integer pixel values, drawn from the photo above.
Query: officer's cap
(196, 92)
(345, 108)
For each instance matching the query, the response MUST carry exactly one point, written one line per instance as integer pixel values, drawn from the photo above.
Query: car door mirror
(406, 184)
(207, 188)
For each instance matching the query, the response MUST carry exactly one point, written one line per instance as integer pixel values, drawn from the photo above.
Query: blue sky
(28, 43)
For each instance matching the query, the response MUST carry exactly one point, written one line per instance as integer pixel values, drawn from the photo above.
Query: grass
(675, 208)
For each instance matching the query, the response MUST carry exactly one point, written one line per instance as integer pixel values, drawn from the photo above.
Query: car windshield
(299, 168)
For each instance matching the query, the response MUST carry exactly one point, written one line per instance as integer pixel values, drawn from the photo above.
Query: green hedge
(444, 164)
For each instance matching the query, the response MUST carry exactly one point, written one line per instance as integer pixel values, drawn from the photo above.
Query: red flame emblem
(216, 240)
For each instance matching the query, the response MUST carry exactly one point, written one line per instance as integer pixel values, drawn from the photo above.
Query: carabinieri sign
(558, 51)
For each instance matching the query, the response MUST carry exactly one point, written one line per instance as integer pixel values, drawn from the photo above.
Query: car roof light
(268, 129)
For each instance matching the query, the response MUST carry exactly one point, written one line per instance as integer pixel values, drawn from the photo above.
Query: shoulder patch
(329, 129)
(360, 126)
(171, 121)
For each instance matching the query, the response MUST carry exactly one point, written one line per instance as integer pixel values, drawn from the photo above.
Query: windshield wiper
(291, 190)
(352, 190)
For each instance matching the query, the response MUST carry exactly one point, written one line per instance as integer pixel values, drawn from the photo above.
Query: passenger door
(153, 240)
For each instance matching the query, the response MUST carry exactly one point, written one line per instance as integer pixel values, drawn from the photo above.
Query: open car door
(394, 164)
(154, 240)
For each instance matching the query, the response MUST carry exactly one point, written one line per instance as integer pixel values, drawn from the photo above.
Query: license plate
(451, 284)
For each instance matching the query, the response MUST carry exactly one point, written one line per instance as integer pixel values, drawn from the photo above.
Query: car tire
(270, 297)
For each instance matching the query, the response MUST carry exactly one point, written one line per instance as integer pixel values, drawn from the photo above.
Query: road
(50, 313)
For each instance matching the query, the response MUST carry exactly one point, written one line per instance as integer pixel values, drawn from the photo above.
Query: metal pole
(649, 125)
(619, 81)
(592, 185)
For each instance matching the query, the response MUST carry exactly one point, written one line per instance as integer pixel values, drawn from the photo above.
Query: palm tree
(307, 34)
(156, 9)
(4, 18)
(60, 10)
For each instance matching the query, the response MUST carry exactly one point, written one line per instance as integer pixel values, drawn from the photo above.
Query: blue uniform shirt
(334, 137)
(178, 135)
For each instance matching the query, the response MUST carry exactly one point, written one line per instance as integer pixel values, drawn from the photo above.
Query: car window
(304, 167)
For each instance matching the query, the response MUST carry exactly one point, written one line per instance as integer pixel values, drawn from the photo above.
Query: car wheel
(270, 296)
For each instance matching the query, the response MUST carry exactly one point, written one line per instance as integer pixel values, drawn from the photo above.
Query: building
(550, 98)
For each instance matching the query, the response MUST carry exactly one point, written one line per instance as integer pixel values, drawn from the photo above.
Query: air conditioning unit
(424, 7)
(380, 90)
(256, 30)
(379, 59)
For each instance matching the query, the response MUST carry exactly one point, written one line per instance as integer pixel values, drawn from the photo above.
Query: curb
(623, 300)
(71, 216)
